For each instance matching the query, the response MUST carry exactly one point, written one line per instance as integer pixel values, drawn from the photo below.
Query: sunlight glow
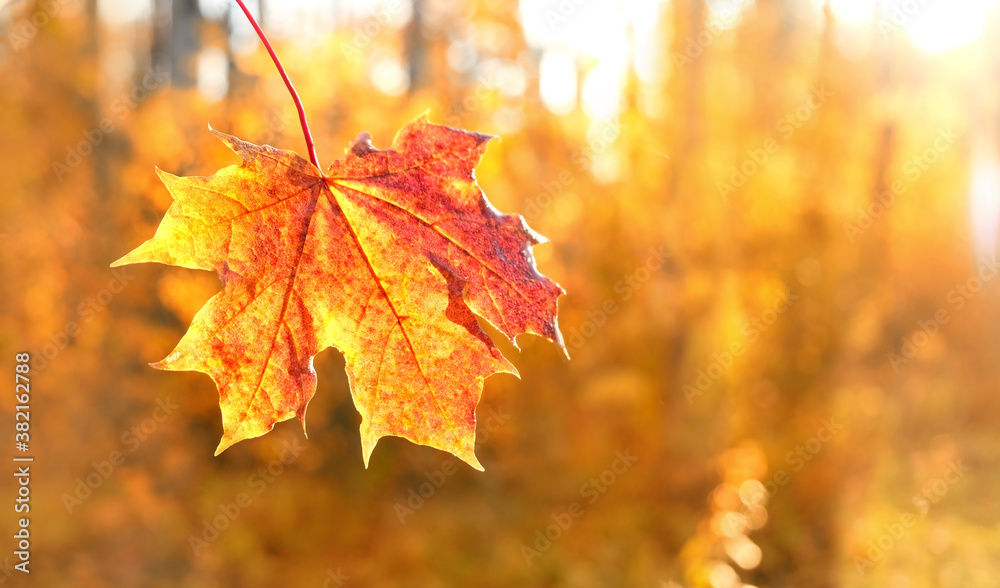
(601, 92)
(984, 203)
(122, 12)
(600, 37)
(557, 81)
(854, 11)
(723, 576)
(933, 25)
(388, 75)
(744, 552)
(304, 22)
(213, 74)
(940, 25)
(725, 14)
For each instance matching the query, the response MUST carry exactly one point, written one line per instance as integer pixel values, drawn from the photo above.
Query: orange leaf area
(388, 258)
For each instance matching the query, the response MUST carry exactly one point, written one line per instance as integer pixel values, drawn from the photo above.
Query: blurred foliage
(793, 466)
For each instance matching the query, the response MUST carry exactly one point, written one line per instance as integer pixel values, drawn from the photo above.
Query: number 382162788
(22, 394)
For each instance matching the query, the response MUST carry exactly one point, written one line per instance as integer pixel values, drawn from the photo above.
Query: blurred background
(776, 222)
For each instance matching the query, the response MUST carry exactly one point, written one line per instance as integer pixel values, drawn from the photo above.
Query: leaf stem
(291, 89)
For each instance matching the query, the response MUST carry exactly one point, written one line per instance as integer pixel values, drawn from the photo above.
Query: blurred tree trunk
(177, 39)
(416, 48)
(101, 175)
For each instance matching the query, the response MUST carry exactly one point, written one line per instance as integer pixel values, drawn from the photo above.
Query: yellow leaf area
(388, 257)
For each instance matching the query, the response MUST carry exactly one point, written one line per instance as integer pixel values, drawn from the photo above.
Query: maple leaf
(385, 257)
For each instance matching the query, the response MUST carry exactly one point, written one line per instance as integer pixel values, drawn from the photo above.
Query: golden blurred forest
(776, 222)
